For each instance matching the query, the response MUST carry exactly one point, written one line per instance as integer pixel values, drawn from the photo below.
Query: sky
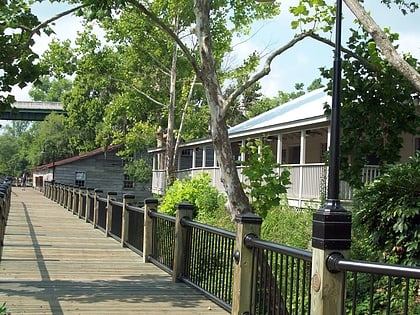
(298, 65)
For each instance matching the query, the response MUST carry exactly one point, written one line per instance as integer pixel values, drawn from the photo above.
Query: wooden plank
(55, 263)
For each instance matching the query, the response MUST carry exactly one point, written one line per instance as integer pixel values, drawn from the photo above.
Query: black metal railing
(377, 288)
(102, 213)
(209, 264)
(282, 278)
(163, 237)
(135, 230)
(116, 221)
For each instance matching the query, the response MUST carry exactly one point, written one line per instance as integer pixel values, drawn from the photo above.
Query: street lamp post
(331, 232)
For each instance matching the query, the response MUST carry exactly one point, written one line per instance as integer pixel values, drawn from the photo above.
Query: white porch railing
(309, 181)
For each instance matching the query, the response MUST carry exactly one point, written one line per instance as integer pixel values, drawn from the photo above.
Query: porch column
(279, 148)
(302, 161)
(194, 156)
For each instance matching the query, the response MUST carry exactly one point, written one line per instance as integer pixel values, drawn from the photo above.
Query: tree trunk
(382, 41)
(238, 201)
(170, 141)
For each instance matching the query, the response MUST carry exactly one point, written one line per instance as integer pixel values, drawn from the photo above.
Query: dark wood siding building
(100, 169)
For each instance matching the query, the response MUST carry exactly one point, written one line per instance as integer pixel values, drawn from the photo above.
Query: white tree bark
(238, 201)
(384, 43)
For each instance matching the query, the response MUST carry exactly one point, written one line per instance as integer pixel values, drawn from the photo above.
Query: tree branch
(168, 30)
(56, 17)
(264, 71)
(366, 63)
(184, 115)
(382, 41)
(139, 91)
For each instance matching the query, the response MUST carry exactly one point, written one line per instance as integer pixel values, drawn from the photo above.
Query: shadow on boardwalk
(54, 263)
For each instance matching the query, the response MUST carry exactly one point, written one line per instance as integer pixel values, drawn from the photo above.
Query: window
(416, 145)
(294, 155)
(80, 179)
(209, 157)
(128, 182)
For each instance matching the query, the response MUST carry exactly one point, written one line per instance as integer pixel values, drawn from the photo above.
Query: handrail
(252, 241)
(161, 216)
(336, 263)
(135, 209)
(188, 222)
(115, 203)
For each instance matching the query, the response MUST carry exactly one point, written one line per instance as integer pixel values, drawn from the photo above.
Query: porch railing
(239, 271)
(309, 181)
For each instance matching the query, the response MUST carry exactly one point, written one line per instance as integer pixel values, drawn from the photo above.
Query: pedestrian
(23, 180)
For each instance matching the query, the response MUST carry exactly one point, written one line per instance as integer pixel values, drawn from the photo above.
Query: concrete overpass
(32, 111)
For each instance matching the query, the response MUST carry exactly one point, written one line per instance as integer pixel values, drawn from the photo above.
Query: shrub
(198, 191)
(388, 213)
(288, 226)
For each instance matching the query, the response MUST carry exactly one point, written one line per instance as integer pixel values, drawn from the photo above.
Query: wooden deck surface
(55, 263)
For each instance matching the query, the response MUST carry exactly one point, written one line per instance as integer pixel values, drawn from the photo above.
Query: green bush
(198, 191)
(387, 216)
(288, 226)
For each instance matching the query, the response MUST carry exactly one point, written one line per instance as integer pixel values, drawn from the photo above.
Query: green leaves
(265, 184)
(313, 15)
(377, 109)
(389, 211)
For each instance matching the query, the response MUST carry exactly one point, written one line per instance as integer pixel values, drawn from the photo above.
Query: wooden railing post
(56, 193)
(69, 203)
(184, 210)
(80, 206)
(110, 196)
(331, 234)
(98, 193)
(127, 199)
(246, 224)
(75, 204)
(88, 204)
(150, 204)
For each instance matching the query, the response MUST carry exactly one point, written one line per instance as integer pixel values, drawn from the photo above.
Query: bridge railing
(239, 271)
(5, 193)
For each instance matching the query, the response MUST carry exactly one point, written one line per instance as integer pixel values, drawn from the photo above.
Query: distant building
(298, 134)
(99, 169)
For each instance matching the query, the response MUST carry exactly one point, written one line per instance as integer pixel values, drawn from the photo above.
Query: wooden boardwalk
(55, 263)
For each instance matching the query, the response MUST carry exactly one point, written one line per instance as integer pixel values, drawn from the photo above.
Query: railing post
(88, 204)
(331, 234)
(80, 206)
(184, 210)
(246, 224)
(69, 197)
(98, 193)
(127, 199)
(74, 200)
(150, 204)
(110, 196)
